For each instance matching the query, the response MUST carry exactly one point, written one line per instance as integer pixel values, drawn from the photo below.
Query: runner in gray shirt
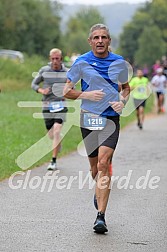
(53, 77)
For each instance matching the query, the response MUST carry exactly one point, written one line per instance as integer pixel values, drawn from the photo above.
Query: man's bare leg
(54, 134)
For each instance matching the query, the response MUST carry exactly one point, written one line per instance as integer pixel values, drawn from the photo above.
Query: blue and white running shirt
(96, 74)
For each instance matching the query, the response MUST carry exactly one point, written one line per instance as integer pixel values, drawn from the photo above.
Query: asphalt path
(38, 213)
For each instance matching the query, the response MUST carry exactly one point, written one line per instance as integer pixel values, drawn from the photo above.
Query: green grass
(19, 130)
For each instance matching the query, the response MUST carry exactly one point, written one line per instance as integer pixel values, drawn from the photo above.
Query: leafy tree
(151, 46)
(159, 13)
(78, 28)
(145, 38)
(29, 25)
(9, 21)
(131, 33)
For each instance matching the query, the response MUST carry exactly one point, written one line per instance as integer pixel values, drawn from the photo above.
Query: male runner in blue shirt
(100, 72)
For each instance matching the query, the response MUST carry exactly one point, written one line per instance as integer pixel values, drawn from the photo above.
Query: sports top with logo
(99, 73)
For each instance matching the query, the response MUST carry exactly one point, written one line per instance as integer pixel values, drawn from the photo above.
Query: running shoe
(100, 226)
(140, 126)
(52, 166)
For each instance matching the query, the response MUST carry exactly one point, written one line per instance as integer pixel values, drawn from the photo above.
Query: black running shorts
(139, 103)
(54, 117)
(108, 136)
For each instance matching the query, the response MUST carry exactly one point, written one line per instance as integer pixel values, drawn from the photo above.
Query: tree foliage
(145, 51)
(78, 27)
(33, 27)
(29, 25)
(144, 39)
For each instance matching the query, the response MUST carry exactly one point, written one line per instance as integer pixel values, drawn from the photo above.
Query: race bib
(141, 89)
(56, 106)
(94, 122)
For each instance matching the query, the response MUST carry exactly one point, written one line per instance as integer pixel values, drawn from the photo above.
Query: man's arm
(36, 81)
(124, 96)
(153, 81)
(71, 93)
(165, 84)
(35, 84)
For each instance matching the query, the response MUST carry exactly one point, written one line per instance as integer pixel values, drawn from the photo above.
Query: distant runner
(159, 82)
(139, 86)
(54, 110)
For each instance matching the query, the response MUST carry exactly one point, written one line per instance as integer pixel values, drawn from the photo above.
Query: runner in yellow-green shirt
(139, 88)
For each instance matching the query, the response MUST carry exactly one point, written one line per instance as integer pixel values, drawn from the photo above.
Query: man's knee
(56, 129)
(103, 165)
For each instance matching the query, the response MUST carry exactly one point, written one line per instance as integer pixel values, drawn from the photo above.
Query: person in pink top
(155, 67)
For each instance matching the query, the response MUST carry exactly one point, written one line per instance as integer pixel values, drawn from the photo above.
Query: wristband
(124, 101)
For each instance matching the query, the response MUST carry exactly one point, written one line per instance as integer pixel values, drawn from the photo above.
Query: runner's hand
(43, 91)
(95, 95)
(117, 106)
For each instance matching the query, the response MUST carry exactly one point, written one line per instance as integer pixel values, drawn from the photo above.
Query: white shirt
(159, 83)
